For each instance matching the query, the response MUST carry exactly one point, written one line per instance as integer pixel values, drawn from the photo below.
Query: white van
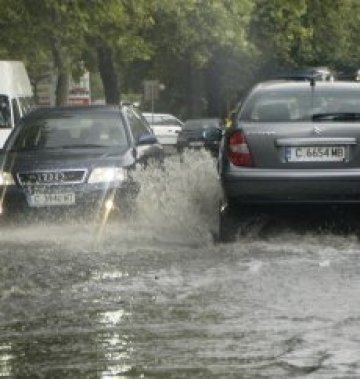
(16, 96)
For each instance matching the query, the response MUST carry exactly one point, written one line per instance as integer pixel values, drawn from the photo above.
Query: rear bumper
(285, 186)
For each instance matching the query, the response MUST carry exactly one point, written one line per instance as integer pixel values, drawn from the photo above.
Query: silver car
(291, 143)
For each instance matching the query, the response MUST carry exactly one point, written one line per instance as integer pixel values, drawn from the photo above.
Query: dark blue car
(75, 158)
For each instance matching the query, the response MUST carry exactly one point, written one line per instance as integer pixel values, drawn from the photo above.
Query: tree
(115, 38)
(187, 35)
(46, 28)
(295, 33)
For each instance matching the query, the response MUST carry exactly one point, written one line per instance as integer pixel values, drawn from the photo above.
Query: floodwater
(154, 297)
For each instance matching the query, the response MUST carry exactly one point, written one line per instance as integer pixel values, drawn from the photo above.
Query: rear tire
(229, 218)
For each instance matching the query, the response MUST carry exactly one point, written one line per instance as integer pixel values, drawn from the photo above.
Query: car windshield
(71, 130)
(201, 124)
(300, 104)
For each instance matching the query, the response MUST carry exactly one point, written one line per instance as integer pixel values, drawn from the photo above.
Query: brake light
(238, 150)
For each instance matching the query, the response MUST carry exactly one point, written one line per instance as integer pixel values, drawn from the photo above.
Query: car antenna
(312, 81)
(312, 85)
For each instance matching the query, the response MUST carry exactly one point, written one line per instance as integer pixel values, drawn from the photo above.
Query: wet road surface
(154, 297)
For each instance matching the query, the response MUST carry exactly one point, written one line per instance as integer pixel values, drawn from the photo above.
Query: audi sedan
(291, 143)
(75, 159)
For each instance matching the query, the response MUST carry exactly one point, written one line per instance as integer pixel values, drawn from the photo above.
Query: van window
(5, 113)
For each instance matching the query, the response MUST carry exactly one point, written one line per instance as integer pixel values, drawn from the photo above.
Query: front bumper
(88, 197)
(292, 186)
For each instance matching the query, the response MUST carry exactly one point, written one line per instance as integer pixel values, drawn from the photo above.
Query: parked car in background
(16, 96)
(75, 159)
(292, 143)
(200, 133)
(348, 74)
(165, 126)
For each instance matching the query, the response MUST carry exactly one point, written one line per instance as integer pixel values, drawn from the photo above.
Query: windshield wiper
(336, 116)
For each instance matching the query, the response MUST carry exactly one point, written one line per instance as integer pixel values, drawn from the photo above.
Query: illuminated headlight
(6, 179)
(107, 174)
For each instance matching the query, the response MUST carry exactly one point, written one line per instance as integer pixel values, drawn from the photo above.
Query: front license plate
(51, 199)
(196, 143)
(315, 153)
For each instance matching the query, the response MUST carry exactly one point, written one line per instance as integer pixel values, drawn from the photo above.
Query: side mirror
(147, 139)
(212, 134)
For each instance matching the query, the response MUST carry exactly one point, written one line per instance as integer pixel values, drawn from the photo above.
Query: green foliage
(206, 52)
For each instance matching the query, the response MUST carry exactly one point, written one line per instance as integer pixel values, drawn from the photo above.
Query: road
(154, 297)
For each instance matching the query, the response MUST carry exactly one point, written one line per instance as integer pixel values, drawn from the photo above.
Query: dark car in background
(75, 158)
(348, 75)
(292, 143)
(200, 133)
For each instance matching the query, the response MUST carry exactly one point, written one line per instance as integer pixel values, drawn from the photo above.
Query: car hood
(66, 159)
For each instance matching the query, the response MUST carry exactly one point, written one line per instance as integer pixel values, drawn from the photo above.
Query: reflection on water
(155, 298)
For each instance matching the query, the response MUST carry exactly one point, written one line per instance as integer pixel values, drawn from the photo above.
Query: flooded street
(154, 297)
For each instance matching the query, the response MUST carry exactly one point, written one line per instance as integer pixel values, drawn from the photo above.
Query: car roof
(158, 114)
(288, 84)
(48, 111)
(203, 119)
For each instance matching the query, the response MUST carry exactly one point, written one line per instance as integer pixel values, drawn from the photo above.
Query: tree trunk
(63, 75)
(108, 75)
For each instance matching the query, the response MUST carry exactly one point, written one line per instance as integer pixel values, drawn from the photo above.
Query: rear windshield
(162, 120)
(67, 130)
(299, 104)
(200, 124)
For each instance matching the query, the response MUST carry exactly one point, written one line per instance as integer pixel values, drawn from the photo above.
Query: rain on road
(154, 297)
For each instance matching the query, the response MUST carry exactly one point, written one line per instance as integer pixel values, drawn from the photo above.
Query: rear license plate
(51, 199)
(315, 153)
(196, 143)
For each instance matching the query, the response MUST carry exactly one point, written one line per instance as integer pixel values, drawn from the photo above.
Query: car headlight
(6, 178)
(107, 174)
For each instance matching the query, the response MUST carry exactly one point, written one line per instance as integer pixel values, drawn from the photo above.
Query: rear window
(67, 130)
(162, 120)
(299, 104)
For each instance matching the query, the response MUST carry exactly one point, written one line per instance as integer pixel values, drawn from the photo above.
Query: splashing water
(180, 201)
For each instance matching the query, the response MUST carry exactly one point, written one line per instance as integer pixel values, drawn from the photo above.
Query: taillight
(238, 150)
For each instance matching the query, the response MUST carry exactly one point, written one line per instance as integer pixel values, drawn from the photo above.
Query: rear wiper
(336, 116)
